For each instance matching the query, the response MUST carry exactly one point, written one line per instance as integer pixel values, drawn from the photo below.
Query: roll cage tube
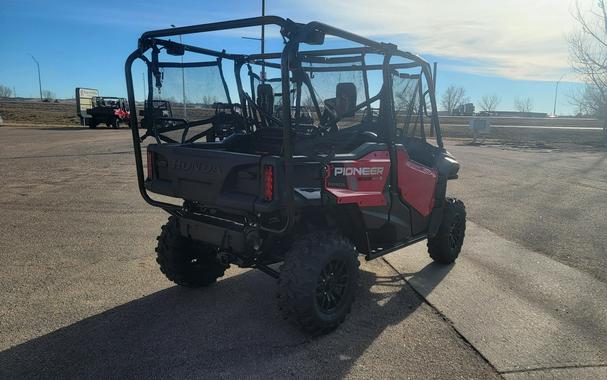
(289, 50)
(170, 208)
(294, 34)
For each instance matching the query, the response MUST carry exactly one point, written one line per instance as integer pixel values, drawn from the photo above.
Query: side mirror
(345, 102)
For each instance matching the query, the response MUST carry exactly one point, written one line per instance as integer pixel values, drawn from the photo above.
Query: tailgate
(213, 177)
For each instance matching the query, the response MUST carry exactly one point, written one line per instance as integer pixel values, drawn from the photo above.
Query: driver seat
(345, 99)
(265, 98)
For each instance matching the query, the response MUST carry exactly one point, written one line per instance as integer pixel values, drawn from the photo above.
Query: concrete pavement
(524, 312)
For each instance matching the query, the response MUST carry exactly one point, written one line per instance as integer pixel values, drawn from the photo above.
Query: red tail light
(150, 164)
(268, 183)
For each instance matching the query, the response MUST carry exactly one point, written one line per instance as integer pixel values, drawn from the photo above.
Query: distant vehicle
(93, 109)
(464, 110)
(109, 110)
(159, 110)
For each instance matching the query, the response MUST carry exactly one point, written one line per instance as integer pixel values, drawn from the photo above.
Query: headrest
(265, 98)
(345, 94)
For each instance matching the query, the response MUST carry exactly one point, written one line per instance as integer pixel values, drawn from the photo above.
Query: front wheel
(115, 123)
(184, 261)
(444, 248)
(318, 282)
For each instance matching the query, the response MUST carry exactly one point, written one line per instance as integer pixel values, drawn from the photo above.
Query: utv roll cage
(291, 57)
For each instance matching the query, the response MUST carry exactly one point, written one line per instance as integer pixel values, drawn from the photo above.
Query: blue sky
(511, 48)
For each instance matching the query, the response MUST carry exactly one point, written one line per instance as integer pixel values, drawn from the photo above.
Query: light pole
(556, 93)
(262, 40)
(39, 80)
(144, 92)
(185, 109)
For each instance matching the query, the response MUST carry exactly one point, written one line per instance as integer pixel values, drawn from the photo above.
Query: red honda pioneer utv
(305, 156)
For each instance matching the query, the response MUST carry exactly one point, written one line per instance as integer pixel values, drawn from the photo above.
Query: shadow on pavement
(232, 329)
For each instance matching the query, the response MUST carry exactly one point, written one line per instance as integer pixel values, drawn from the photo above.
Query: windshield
(339, 85)
(199, 88)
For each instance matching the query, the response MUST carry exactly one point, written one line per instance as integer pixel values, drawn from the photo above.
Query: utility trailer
(317, 156)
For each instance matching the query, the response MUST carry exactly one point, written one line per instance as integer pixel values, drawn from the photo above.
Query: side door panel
(361, 181)
(416, 183)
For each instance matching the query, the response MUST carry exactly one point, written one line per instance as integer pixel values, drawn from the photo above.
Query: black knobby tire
(92, 124)
(318, 282)
(445, 247)
(184, 261)
(116, 123)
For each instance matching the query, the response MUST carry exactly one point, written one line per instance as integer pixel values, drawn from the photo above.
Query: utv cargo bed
(210, 175)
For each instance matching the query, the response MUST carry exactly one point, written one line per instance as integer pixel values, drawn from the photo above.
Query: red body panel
(122, 115)
(416, 182)
(365, 180)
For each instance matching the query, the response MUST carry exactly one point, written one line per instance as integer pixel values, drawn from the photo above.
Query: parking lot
(83, 296)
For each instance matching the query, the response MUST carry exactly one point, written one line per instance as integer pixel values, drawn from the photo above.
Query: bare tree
(453, 98)
(523, 105)
(208, 100)
(588, 50)
(490, 102)
(587, 101)
(406, 100)
(5, 91)
(48, 95)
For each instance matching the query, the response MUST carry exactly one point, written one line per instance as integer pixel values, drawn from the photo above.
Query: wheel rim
(455, 234)
(332, 284)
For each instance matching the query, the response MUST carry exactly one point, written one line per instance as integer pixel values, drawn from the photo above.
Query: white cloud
(516, 39)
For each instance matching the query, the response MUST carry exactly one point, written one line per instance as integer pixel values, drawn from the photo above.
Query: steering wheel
(329, 118)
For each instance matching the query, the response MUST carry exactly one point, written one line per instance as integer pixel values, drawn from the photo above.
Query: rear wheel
(184, 261)
(318, 282)
(445, 247)
(114, 123)
(92, 123)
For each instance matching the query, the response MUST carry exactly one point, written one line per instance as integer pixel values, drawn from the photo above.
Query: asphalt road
(548, 127)
(83, 298)
(552, 200)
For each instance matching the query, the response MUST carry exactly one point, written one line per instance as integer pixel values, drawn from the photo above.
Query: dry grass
(37, 113)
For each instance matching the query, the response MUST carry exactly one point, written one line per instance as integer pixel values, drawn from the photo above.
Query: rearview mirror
(175, 49)
(315, 37)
